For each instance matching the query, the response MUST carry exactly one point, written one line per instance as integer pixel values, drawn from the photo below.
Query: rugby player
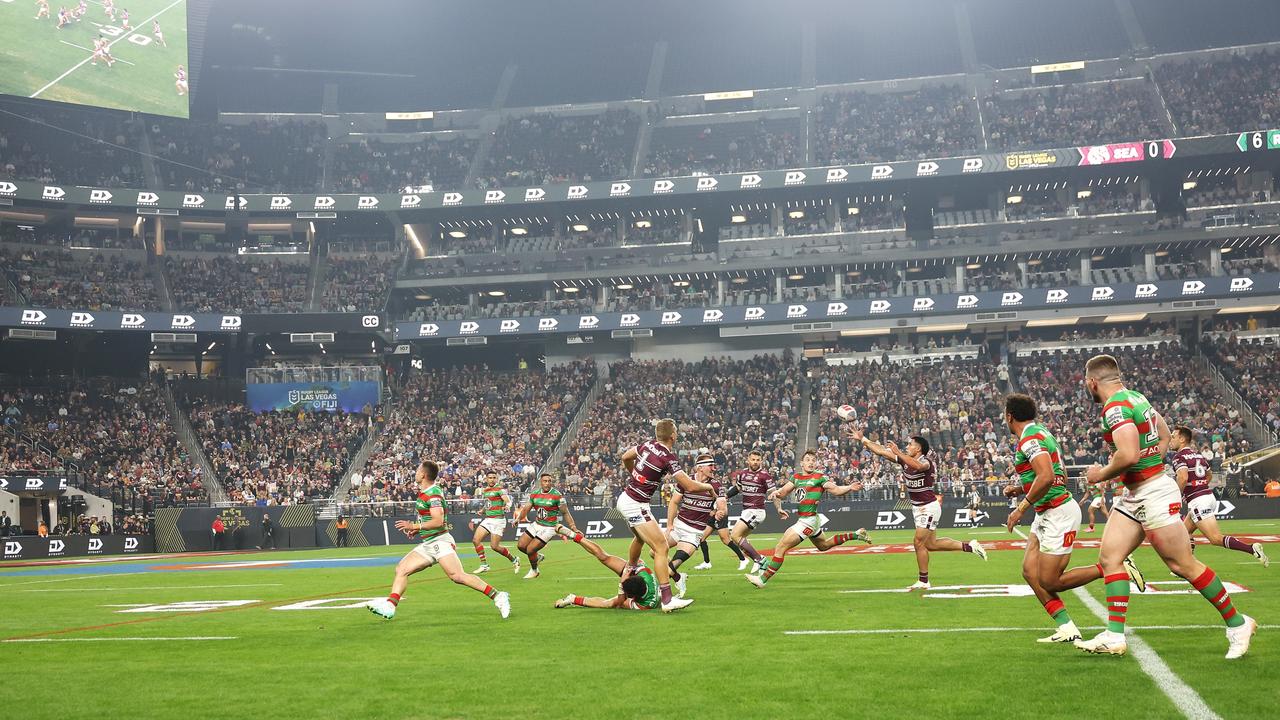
(493, 523)
(1096, 496)
(1151, 505)
(919, 475)
(638, 589)
(690, 515)
(646, 465)
(756, 483)
(808, 525)
(1193, 474)
(548, 507)
(437, 548)
(1043, 479)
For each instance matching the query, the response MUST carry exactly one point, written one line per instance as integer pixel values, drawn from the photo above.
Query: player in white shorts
(690, 514)
(755, 482)
(180, 80)
(155, 30)
(1193, 474)
(547, 506)
(493, 523)
(437, 548)
(42, 9)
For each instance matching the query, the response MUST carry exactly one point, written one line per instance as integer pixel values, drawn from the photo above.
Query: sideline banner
(32, 547)
(312, 397)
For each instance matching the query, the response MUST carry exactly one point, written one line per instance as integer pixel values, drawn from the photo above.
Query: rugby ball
(846, 412)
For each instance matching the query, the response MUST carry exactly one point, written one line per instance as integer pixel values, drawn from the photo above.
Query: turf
(35, 53)
(448, 654)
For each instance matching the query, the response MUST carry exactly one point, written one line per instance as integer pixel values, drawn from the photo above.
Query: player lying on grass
(493, 523)
(647, 464)
(1043, 479)
(919, 476)
(548, 507)
(437, 548)
(812, 483)
(756, 483)
(1192, 474)
(1150, 508)
(638, 589)
(690, 515)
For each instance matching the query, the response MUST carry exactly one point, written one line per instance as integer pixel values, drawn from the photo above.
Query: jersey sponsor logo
(1114, 415)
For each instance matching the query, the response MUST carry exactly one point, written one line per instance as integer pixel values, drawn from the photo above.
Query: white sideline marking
(1018, 531)
(78, 577)
(883, 631)
(81, 47)
(1184, 699)
(153, 587)
(123, 639)
(80, 64)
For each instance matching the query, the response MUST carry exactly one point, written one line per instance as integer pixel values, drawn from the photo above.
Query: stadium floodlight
(973, 266)
(519, 231)
(739, 281)
(854, 211)
(796, 276)
(624, 286)
(497, 293)
(1083, 194)
(1226, 250)
(643, 224)
(795, 214)
(680, 283)
(422, 296)
(580, 228)
(570, 289)
(1189, 185)
(1013, 199)
(1034, 261)
(738, 219)
(459, 234)
(1162, 253)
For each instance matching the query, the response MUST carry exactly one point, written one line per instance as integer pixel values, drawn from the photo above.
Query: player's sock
(1232, 543)
(394, 599)
(924, 577)
(1057, 611)
(489, 591)
(579, 600)
(664, 592)
(842, 538)
(533, 560)
(1211, 588)
(750, 550)
(480, 552)
(738, 551)
(706, 552)
(1117, 601)
(967, 546)
(505, 553)
(676, 561)
(772, 567)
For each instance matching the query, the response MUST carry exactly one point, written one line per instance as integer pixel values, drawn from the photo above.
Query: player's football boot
(755, 580)
(1238, 638)
(482, 569)
(541, 557)
(1135, 575)
(382, 608)
(1262, 556)
(676, 604)
(757, 567)
(918, 585)
(1105, 643)
(704, 565)
(515, 564)
(503, 602)
(863, 535)
(681, 584)
(1065, 633)
(743, 565)
(564, 602)
(977, 549)
(533, 573)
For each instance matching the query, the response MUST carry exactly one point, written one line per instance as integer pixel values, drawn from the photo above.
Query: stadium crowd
(358, 282)
(80, 279)
(725, 147)
(55, 144)
(1072, 115)
(857, 127)
(222, 283)
(1253, 369)
(542, 149)
(1224, 95)
(198, 156)
(392, 167)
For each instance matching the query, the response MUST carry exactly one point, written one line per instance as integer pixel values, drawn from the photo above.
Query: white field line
(152, 587)
(930, 631)
(81, 47)
(695, 574)
(78, 577)
(1018, 531)
(80, 64)
(194, 638)
(1186, 700)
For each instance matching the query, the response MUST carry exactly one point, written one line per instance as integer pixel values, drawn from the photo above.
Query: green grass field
(447, 653)
(39, 60)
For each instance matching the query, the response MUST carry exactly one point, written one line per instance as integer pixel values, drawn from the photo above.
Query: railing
(1251, 419)
(556, 456)
(187, 436)
(313, 373)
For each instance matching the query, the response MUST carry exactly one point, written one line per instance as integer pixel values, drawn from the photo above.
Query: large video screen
(122, 54)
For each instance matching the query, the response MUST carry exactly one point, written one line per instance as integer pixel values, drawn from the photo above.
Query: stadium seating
(860, 127)
(262, 157)
(80, 279)
(543, 148)
(1071, 115)
(1253, 369)
(390, 167)
(1224, 95)
(64, 144)
(725, 147)
(221, 283)
(357, 282)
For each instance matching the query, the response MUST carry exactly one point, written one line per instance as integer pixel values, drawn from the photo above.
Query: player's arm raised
(1126, 454)
(837, 490)
(779, 493)
(1043, 466)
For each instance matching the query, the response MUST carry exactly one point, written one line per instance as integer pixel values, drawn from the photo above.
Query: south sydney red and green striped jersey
(651, 599)
(432, 497)
(1034, 442)
(546, 507)
(811, 485)
(1130, 407)
(495, 505)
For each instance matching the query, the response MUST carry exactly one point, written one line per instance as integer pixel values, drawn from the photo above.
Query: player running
(437, 548)
(64, 18)
(719, 525)
(638, 589)
(1042, 478)
(547, 506)
(1151, 503)
(690, 516)
(81, 8)
(1098, 493)
(1192, 474)
(42, 9)
(919, 474)
(755, 483)
(155, 30)
(110, 7)
(812, 483)
(101, 51)
(181, 80)
(493, 523)
(646, 465)
(124, 20)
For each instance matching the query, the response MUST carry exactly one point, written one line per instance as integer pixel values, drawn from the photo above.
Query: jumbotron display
(120, 54)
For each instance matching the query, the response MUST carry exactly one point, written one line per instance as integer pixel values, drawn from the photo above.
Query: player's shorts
(634, 512)
(437, 547)
(1055, 529)
(497, 526)
(809, 527)
(752, 518)
(683, 532)
(1154, 504)
(541, 532)
(1098, 502)
(1203, 507)
(927, 515)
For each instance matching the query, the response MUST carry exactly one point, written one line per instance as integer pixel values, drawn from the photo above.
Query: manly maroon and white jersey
(920, 482)
(654, 461)
(1198, 473)
(755, 485)
(696, 508)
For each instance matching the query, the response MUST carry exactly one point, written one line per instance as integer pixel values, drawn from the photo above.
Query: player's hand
(471, 524)
(1012, 490)
(720, 514)
(405, 526)
(853, 433)
(1093, 475)
(1014, 518)
(783, 514)
(892, 447)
